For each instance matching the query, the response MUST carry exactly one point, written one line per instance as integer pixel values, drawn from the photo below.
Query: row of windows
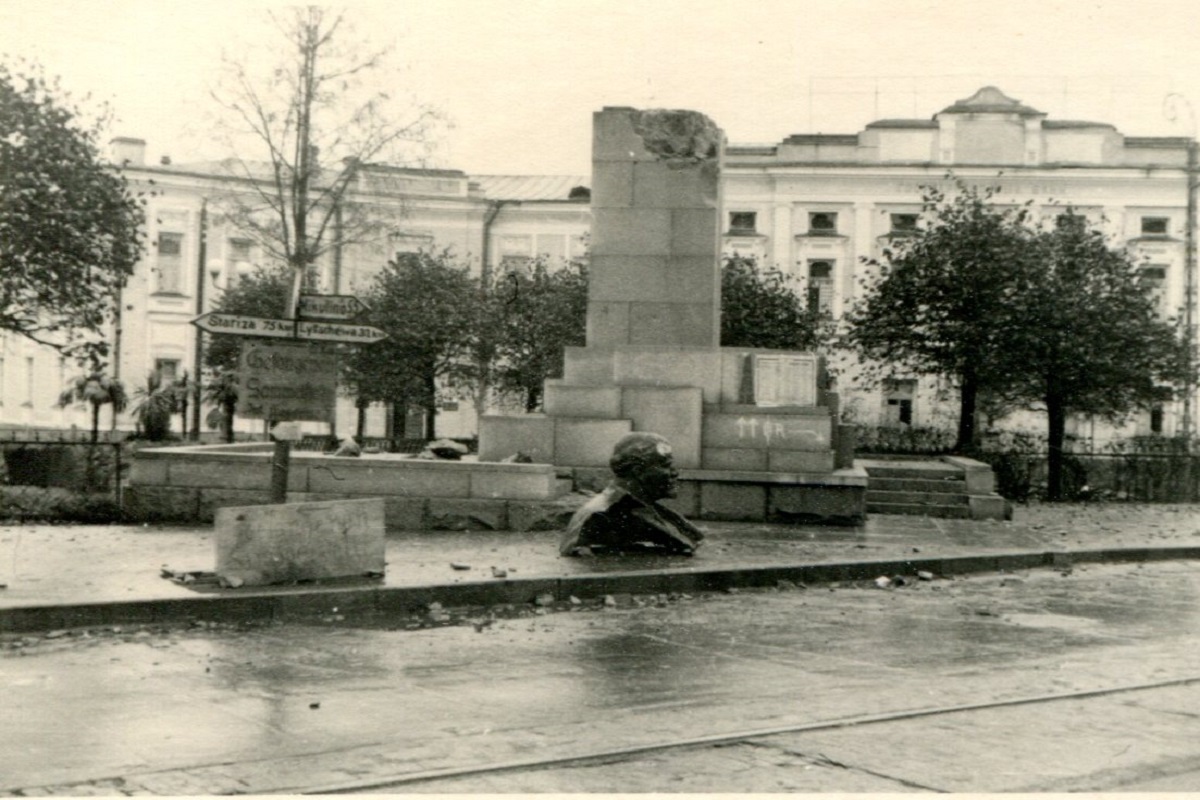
(825, 223)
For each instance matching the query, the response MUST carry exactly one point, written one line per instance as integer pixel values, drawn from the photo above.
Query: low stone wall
(188, 484)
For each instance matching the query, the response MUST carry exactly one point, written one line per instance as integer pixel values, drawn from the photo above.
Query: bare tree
(313, 121)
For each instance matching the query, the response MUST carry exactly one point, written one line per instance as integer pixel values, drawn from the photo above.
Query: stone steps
(921, 510)
(916, 498)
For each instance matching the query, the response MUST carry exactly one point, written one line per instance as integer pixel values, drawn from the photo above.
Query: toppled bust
(627, 517)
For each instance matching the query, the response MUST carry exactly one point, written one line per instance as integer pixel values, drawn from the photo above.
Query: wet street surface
(1047, 680)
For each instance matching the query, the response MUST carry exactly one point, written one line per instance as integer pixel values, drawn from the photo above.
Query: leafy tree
(154, 406)
(1083, 335)
(425, 303)
(96, 389)
(69, 228)
(301, 131)
(760, 308)
(540, 310)
(221, 393)
(261, 293)
(939, 304)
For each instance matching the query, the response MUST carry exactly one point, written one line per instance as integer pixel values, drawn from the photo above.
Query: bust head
(644, 466)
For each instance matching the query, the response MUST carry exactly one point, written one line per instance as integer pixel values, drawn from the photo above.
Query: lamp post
(1171, 105)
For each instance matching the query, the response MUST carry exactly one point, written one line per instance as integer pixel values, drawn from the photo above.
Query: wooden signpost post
(291, 380)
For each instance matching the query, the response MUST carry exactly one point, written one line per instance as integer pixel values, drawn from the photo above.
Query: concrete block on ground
(846, 442)
(148, 472)
(514, 482)
(453, 514)
(742, 459)
(821, 504)
(253, 472)
(733, 501)
(684, 324)
(596, 402)
(501, 436)
(767, 431)
(673, 412)
(587, 442)
(287, 542)
(818, 461)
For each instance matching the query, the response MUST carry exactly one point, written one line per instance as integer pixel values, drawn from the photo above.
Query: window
(822, 223)
(904, 223)
(742, 222)
(167, 369)
(1156, 419)
(1154, 226)
(514, 251)
(170, 262)
(898, 401)
(1153, 279)
(820, 287)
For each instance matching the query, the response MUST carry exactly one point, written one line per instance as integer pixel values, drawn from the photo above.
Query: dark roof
(1157, 141)
(1075, 123)
(903, 123)
(989, 99)
(822, 138)
(529, 187)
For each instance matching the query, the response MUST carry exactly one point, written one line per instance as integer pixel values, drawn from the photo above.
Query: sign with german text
(242, 325)
(286, 381)
(340, 307)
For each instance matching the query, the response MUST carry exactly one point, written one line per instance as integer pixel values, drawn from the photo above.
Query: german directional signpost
(312, 330)
(288, 381)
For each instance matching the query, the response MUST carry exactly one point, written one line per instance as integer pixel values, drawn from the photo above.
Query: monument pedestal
(752, 431)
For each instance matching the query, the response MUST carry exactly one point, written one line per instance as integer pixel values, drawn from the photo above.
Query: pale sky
(520, 79)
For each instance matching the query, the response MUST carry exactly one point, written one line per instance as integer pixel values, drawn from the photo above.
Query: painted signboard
(242, 325)
(286, 381)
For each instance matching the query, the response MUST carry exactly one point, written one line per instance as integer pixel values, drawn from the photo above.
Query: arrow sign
(241, 325)
(330, 306)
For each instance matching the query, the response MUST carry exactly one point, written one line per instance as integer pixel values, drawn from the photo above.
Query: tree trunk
(1056, 414)
(95, 422)
(431, 408)
(968, 396)
(533, 397)
(227, 422)
(361, 427)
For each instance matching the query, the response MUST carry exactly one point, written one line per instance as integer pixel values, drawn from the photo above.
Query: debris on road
(459, 565)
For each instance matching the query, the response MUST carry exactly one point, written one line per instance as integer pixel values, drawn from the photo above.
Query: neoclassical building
(815, 205)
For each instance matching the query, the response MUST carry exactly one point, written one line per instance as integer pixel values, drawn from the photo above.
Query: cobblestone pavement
(355, 702)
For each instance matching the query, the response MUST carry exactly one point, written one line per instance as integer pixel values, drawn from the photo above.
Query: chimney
(128, 152)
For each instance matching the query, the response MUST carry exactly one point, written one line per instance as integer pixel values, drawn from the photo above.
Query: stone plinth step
(953, 484)
(922, 510)
(919, 470)
(916, 498)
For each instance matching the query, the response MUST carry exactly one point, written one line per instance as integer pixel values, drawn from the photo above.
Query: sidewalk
(77, 576)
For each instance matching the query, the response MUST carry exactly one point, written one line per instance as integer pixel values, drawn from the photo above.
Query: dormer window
(822, 223)
(1154, 226)
(742, 222)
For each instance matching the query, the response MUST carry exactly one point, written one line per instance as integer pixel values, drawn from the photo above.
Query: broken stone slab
(288, 542)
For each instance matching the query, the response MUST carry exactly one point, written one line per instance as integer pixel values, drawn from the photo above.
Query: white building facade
(813, 205)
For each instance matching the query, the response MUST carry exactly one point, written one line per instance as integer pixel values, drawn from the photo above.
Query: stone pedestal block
(597, 402)
(269, 544)
(733, 501)
(587, 442)
(673, 412)
(501, 436)
(767, 431)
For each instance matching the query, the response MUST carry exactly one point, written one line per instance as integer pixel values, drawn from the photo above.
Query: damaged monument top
(675, 133)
